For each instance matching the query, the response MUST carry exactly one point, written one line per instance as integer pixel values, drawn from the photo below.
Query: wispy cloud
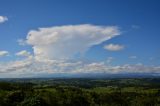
(135, 27)
(109, 60)
(21, 42)
(114, 47)
(133, 57)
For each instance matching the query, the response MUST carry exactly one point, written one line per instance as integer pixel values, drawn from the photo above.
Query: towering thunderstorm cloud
(63, 42)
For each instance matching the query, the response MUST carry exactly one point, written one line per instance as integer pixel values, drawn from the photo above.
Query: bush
(33, 101)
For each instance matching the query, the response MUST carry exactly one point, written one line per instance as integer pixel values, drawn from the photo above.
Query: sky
(46, 37)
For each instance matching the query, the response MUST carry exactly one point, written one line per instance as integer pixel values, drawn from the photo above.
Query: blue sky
(138, 22)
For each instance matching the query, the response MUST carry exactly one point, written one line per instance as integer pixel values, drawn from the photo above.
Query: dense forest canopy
(80, 92)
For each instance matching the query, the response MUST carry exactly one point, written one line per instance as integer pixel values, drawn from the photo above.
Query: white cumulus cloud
(53, 47)
(3, 53)
(31, 66)
(23, 53)
(114, 47)
(3, 19)
(61, 42)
